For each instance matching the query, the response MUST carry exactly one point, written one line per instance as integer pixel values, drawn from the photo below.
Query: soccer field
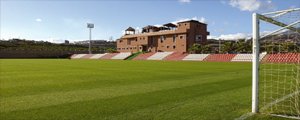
(128, 90)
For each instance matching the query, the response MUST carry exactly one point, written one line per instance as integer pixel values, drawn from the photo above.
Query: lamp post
(219, 45)
(90, 26)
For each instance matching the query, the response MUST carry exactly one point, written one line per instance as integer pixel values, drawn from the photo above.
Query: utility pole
(90, 26)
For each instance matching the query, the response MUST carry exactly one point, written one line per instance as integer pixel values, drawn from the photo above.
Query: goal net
(276, 77)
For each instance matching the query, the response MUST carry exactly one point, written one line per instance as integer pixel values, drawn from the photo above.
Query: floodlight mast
(90, 26)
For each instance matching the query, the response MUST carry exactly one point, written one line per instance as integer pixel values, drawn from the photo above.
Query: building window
(128, 42)
(174, 38)
(162, 37)
(121, 41)
(167, 46)
(181, 36)
(140, 47)
(174, 46)
(198, 37)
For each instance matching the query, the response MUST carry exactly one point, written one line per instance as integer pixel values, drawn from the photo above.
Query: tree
(111, 50)
(228, 47)
(195, 48)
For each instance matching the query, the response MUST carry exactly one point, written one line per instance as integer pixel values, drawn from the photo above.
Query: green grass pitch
(124, 90)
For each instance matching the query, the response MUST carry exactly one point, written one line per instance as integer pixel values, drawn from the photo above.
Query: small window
(128, 42)
(174, 46)
(121, 41)
(185, 24)
(181, 37)
(167, 46)
(198, 37)
(174, 38)
(127, 48)
(140, 47)
(162, 37)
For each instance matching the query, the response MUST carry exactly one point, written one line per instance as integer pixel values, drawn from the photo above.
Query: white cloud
(201, 19)
(184, 1)
(252, 5)
(157, 25)
(138, 30)
(38, 20)
(246, 5)
(235, 36)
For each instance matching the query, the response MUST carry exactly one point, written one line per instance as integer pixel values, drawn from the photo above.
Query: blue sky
(55, 20)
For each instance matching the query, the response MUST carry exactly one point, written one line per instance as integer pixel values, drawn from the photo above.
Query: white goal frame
(256, 48)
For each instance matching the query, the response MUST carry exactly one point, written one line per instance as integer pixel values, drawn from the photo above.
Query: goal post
(276, 75)
(255, 62)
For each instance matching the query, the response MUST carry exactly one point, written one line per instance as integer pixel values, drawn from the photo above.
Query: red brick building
(169, 37)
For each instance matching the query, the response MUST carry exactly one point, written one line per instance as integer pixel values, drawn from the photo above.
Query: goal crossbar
(281, 11)
(271, 20)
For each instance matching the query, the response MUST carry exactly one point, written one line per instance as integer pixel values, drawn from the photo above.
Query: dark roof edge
(192, 21)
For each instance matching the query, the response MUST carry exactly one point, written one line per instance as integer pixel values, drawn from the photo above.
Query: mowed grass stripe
(41, 100)
(104, 108)
(198, 107)
(94, 81)
(103, 76)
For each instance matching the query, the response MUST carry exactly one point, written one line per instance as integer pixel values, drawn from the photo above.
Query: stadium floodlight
(90, 26)
(276, 78)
